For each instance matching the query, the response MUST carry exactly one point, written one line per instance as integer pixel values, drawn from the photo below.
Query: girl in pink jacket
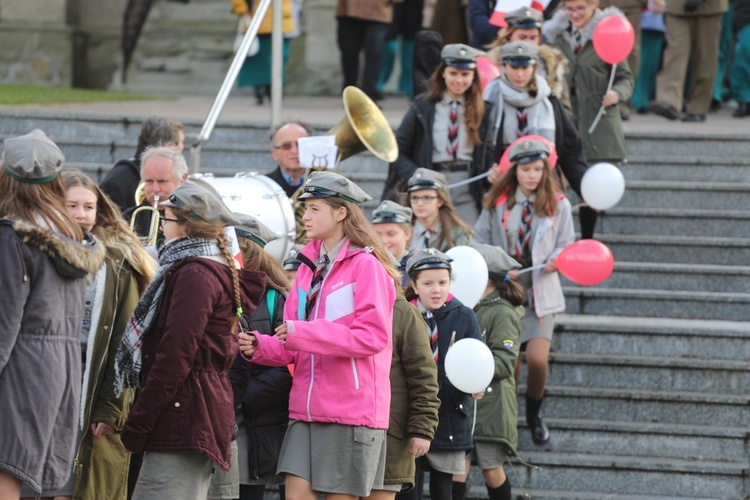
(337, 333)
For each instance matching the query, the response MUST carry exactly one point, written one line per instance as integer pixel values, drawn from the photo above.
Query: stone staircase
(649, 386)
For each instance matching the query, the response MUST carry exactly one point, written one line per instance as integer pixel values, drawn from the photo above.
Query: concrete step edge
(680, 161)
(668, 267)
(644, 428)
(644, 395)
(674, 213)
(644, 464)
(665, 326)
(657, 239)
(677, 185)
(475, 491)
(616, 360)
(592, 292)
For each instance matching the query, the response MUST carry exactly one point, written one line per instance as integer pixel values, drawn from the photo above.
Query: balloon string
(469, 180)
(474, 423)
(538, 266)
(601, 110)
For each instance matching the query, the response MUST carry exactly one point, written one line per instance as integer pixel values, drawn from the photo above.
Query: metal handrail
(228, 84)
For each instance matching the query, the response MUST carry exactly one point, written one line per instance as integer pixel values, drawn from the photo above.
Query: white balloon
(470, 274)
(469, 365)
(602, 186)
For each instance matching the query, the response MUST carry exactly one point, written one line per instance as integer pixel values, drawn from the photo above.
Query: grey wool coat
(42, 283)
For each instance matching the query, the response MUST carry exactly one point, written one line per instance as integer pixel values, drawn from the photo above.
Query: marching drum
(254, 194)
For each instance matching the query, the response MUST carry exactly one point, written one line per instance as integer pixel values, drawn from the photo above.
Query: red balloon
(504, 163)
(586, 262)
(487, 71)
(613, 39)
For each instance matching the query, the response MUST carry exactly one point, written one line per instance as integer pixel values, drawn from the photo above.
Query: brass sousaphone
(363, 128)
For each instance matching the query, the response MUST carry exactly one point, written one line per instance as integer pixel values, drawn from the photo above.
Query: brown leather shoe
(661, 108)
(691, 118)
(742, 110)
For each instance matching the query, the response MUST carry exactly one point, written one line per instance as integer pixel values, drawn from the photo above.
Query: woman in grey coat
(44, 260)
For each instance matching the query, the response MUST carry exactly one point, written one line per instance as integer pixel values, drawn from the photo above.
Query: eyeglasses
(163, 220)
(573, 10)
(422, 199)
(286, 146)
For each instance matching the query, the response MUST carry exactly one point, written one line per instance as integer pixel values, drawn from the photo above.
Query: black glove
(692, 5)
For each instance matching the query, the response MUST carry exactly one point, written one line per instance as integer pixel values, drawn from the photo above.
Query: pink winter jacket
(342, 356)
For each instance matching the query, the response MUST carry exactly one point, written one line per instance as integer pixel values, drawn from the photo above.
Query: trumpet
(153, 233)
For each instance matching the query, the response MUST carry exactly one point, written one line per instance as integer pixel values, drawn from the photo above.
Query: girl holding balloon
(526, 215)
(523, 104)
(448, 321)
(573, 30)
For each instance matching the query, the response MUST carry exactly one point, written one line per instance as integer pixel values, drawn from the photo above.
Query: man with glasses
(288, 174)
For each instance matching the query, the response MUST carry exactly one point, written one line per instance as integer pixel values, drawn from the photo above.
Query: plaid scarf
(128, 359)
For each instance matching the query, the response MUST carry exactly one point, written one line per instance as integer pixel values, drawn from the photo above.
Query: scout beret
(524, 18)
(329, 184)
(460, 56)
(32, 157)
(519, 54)
(424, 178)
(291, 263)
(390, 211)
(528, 151)
(202, 203)
(251, 228)
(427, 258)
(498, 261)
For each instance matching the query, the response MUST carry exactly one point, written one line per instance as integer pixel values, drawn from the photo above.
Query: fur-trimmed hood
(559, 24)
(71, 259)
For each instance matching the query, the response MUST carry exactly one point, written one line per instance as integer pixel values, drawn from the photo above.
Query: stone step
(678, 249)
(686, 144)
(639, 439)
(633, 336)
(646, 406)
(611, 474)
(683, 194)
(687, 168)
(658, 303)
(671, 221)
(666, 276)
(656, 373)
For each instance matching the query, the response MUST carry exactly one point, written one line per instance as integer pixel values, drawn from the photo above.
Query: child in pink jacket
(337, 333)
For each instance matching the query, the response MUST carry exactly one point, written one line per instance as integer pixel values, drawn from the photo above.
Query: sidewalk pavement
(325, 111)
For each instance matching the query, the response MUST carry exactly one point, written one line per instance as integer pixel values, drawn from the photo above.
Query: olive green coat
(102, 463)
(588, 77)
(414, 388)
(497, 411)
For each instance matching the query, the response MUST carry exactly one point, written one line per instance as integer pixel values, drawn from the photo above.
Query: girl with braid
(337, 333)
(178, 347)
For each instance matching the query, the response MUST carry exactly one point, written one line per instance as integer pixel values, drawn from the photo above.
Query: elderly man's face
(285, 151)
(159, 179)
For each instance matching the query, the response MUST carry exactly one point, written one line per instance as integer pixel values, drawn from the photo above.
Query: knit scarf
(128, 359)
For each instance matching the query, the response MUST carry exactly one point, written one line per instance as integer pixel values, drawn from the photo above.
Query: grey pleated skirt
(334, 458)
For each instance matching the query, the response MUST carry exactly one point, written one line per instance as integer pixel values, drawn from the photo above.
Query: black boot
(587, 216)
(502, 492)
(539, 431)
(742, 110)
(259, 92)
(459, 490)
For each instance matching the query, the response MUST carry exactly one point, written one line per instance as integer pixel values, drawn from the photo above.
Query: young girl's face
(81, 203)
(580, 12)
(321, 219)
(432, 287)
(529, 176)
(519, 76)
(425, 203)
(531, 35)
(394, 237)
(457, 81)
(170, 227)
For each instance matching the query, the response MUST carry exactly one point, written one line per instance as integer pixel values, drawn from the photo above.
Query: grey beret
(291, 263)
(32, 157)
(460, 56)
(524, 18)
(427, 258)
(498, 262)
(202, 202)
(329, 184)
(253, 229)
(390, 211)
(528, 151)
(519, 53)
(424, 178)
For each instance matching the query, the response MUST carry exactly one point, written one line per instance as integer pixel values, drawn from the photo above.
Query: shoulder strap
(271, 304)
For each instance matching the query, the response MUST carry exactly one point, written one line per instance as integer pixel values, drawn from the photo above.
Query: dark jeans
(353, 36)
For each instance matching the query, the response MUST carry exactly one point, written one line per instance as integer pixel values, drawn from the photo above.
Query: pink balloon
(586, 262)
(613, 39)
(487, 71)
(504, 163)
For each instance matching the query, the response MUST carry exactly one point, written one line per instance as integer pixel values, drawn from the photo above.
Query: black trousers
(353, 36)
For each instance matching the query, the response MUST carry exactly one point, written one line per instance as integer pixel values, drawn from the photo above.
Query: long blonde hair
(546, 192)
(257, 259)
(360, 233)
(111, 229)
(35, 203)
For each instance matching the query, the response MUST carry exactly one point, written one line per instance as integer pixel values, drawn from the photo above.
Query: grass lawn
(27, 94)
